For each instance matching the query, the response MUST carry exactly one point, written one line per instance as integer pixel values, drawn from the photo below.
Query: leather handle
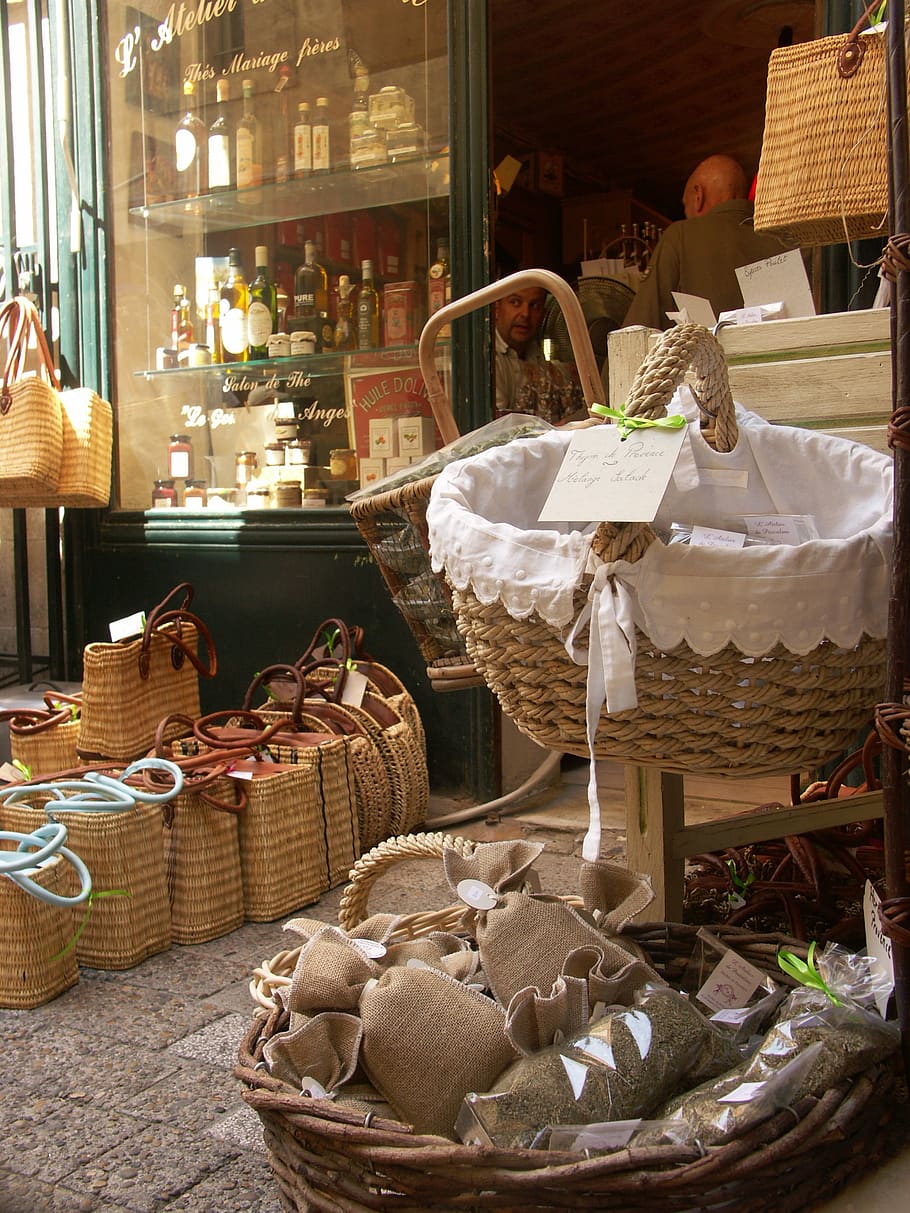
(850, 55)
(180, 648)
(278, 671)
(22, 313)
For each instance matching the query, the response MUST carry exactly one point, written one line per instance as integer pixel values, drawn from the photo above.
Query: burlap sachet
(584, 988)
(427, 1041)
(330, 974)
(525, 937)
(323, 1050)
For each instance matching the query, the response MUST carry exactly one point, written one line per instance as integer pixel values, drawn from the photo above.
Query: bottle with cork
(440, 284)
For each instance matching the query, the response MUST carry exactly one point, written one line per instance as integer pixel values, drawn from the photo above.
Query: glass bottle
(321, 152)
(249, 143)
(283, 149)
(234, 306)
(367, 310)
(181, 323)
(164, 495)
(303, 142)
(440, 284)
(179, 457)
(359, 118)
(262, 316)
(213, 323)
(222, 174)
(311, 295)
(345, 328)
(190, 141)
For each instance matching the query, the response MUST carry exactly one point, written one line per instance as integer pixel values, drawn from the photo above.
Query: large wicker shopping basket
(764, 660)
(325, 1157)
(392, 519)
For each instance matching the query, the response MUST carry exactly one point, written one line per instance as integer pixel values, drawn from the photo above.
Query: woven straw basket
(722, 714)
(36, 961)
(823, 173)
(325, 1157)
(44, 741)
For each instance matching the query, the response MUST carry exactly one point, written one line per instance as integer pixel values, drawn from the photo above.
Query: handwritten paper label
(878, 945)
(778, 279)
(732, 983)
(355, 686)
(695, 309)
(606, 479)
(708, 537)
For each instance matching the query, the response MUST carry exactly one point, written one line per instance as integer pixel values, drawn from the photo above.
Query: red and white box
(372, 470)
(383, 437)
(416, 435)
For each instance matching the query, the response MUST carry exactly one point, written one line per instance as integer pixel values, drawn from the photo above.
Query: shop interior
(602, 117)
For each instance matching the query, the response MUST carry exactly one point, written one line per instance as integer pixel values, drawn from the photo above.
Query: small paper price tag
(709, 537)
(130, 625)
(477, 894)
(241, 773)
(604, 478)
(354, 689)
(10, 774)
(371, 948)
(731, 983)
(878, 945)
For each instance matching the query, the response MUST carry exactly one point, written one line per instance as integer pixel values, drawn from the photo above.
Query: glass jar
(179, 457)
(368, 148)
(245, 467)
(406, 142)
(200, 354)
(258, 497)
(164, 495)
(288, 494)
(303, 342)
(314, 499)
(275, 454)
(343, 465)
(298, 451)
(194, 497)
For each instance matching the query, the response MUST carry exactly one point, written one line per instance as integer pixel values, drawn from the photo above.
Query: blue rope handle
(97, 792)
(34, 851)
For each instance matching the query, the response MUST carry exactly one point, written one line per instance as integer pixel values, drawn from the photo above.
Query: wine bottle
(213, 323)
(181, 323)
(249, 143)
(440, 284)
(190, 146)
(234, 307)
(321, 152)
(222, 174)
(283, 133)
(262, 317)
(367, 310)
(311, 297)
(303, 142)
(345, 328)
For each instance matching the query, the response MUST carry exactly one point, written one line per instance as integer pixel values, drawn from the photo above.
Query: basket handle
(850, 55)
(588, 370)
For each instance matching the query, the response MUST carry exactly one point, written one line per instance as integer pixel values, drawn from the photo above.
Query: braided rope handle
(658, 377)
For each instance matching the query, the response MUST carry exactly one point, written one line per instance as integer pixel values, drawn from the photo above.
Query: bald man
(699, 254)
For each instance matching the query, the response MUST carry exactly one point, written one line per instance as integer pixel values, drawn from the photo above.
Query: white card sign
(878, 945)
(604, 478)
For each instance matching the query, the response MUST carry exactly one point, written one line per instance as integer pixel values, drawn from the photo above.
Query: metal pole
(894, 774)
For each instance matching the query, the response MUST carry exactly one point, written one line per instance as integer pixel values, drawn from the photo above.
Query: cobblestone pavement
(119, 1097)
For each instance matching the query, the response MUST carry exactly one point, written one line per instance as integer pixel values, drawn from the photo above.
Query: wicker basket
(45, 740)
(723, 714)
(325, 1157)
(36, 961)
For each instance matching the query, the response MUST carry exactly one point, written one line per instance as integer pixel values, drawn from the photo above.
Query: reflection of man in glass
(525, 381)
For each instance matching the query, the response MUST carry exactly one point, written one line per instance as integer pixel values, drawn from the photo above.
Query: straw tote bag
(129, 686)
(70, 433)
(823, 172)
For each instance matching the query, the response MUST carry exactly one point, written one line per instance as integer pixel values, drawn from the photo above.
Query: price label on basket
(607, 478)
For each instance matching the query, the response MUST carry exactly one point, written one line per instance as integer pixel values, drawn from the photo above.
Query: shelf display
(302, 266)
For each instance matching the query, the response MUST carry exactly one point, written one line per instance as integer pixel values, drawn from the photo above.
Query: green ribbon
(25, 771)
(93, 896)
(627, 425)
(805, 972)
(878, 18)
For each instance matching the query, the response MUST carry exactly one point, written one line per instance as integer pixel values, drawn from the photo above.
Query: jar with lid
(298, 451)
(164, 495)
(245, 467)
(275, 454)
(179, 457)
(258, 497)
(368, 148)
(288, 494)
(406, 142)
(343, 465)
(314, 499)
(194, 497)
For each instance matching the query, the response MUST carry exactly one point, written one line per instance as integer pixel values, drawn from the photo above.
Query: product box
(338, 239)
(398, 464)
(372, 470)
(383, 437)
(416, 435)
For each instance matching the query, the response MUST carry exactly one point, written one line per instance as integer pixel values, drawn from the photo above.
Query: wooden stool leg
(654, 813)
